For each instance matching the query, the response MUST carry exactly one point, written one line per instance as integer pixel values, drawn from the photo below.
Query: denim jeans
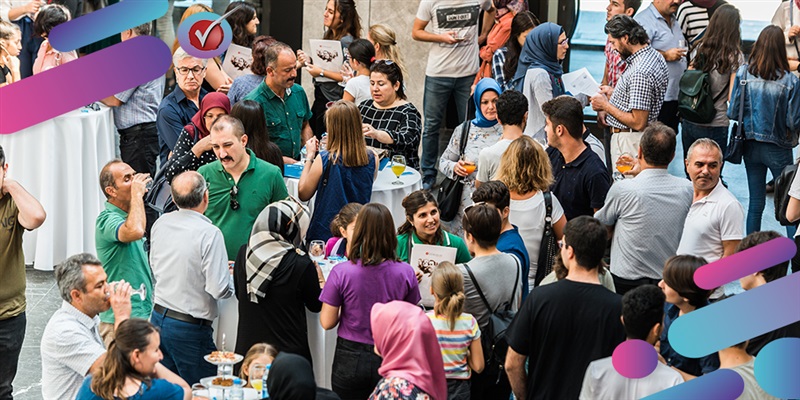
(355, 370)
(12, 333)
(437, 93)
(758, 157)
(184, 345)
(138, 147)
(691, 132)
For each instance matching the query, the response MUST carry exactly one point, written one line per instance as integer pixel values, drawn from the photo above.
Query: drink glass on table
(398, 167)
(316, 250)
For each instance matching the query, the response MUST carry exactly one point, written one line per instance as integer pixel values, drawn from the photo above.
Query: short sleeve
(162, 389)
(279, 191)
(476, 329)
(587, 388)
(598, 186)
(124, 96)
(424, 10)
(794, 189)
(413, 296)
(520, 333)
(732, 224)
(484, 166)
(331, 293)
(609, 214)
(108, 226)
(558, 211)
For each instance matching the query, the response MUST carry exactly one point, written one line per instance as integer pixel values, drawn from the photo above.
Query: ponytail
(448, 287)
(131, 334)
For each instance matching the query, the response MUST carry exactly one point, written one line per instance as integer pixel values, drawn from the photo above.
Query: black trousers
(669, 115)
(625, 285)
(12, 333)
(138, 146)
(355, 370)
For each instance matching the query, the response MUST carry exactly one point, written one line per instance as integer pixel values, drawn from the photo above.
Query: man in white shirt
(71, 345)
(642, 315)
(512, 113)
(190, 265)
(715, 223)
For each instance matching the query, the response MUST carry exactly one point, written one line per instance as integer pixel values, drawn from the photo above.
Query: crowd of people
(576, 257)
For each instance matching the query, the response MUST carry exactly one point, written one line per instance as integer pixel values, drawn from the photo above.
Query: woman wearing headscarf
(412, 366)
(276, 281)
(292, 378)
(539, 72)
(193, 148)
(484, 131)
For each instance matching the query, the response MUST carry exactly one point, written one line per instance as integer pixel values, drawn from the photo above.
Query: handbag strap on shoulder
(743, 85)
(480, 292)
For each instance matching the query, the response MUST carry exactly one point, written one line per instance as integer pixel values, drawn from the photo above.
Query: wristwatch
(322, 73)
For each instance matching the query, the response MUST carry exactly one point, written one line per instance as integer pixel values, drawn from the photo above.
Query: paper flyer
(580, 81)
(237, 61)
(326, 54)
(424, 258)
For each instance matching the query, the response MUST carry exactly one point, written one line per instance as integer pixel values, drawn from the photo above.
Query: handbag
(735, 150)
(449, 196)
(783, 183)
(549, 247)
(493, 338)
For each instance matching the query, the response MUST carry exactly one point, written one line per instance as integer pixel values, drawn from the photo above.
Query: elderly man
(71, 345)
(636, 100)
(667, 38)
(715, 223)
(284, 102)
(177, 108)
(135, 116)
(18, 211)
(191, 276)
(240, 185)
(645, 215)
(119, 237)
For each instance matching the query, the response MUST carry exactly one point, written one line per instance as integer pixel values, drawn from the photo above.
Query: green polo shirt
(121, 260)
(260, 185)
(450, 240)
(285, 117)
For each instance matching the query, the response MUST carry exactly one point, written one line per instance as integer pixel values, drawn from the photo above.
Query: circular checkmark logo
(205, 35)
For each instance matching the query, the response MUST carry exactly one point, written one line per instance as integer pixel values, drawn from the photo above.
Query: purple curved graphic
(722, 384)
(744, 263)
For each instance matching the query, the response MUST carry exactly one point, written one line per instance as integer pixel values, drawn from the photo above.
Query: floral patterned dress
(397, 389)
(477, 140)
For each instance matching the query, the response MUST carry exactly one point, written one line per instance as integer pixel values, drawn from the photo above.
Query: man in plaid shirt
(636, 100)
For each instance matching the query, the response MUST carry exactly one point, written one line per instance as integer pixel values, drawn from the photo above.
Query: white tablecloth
(58, 162)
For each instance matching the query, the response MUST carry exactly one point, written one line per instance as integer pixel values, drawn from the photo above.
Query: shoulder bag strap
(548, 216)
(478, 288)
(724, 90)
(743, 84)
(464, 131)
(327, 172)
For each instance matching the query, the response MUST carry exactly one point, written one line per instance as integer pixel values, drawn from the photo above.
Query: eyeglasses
(467, 208)
(564, 42)
(195, 70)
(234, 203)
(385, 61)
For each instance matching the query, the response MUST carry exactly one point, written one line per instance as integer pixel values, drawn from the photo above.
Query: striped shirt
(455, 343)
(693, 20)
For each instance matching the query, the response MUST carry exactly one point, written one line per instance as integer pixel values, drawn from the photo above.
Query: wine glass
(398, 167)
(469, 166)
(624, 164)
(317, 250)
(255, 374)
(141, 291)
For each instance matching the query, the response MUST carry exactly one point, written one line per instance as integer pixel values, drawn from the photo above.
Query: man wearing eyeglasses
(191, 276)
(135, 113)
(178, 107)
(240, 184)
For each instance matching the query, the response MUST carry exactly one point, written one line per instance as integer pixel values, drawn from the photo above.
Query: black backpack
(783, 183)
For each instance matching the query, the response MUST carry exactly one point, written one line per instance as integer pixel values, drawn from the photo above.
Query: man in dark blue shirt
(177, 108)
(581, 180)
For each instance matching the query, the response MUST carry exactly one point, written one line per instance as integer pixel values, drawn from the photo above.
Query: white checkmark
(204, 36)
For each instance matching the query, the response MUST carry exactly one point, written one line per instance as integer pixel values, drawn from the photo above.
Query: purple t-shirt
(355, 289)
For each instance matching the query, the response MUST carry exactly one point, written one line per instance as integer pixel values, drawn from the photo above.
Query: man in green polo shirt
(240, 185)
(119, 238)
(284, 102)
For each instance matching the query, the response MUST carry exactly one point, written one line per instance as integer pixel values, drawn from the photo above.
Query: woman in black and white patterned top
(390, 121)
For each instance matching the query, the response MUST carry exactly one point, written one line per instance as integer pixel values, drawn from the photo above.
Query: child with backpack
(458, 332)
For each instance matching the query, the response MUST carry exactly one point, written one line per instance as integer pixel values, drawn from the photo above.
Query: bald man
(190, 266)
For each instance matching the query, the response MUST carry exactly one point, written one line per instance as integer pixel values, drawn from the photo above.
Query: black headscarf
(291, 378)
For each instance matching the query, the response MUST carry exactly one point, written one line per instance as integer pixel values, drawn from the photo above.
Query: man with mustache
(240, 185)
(715, 223)
(284, 102)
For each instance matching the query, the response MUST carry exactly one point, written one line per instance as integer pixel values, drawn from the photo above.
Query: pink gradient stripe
(81, 82)
(744, 263)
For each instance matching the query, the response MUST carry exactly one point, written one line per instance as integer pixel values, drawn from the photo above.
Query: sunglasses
(234, 202)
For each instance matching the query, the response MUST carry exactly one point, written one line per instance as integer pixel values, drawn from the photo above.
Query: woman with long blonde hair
(525, 169)
(385, 41)
(340, 174)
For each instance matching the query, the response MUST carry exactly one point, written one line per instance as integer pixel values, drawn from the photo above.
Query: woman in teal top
(422, 226)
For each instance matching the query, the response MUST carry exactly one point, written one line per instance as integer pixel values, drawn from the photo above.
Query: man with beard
(284, 102)
(240, 185)
(715, 223)
(636, 100)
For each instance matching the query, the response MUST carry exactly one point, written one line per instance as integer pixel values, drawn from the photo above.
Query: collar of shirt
(653, 172)
(193, 214)
(576, 163)
(251, 166)
(113, 208)
(180, 96)
(658, 15)
(271, 94)
(632, 58)
(79, 316)
(714, 195)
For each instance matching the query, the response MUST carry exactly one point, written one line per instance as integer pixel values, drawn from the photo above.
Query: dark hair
(2, 157)
(259, 51)
(658, 144)
(566, 111)
(493, 192)
(373, 239)
(588, 238)
(754, 239)
(189, 198)
(238, 21)
(144, 29)
(520, 23)
(393, 73)
(642, 309)
(412, 203)
(768, 60)
(634, 4)
(362, 51)
(679, 275)
(720, 48)
(345, 217)
(622, 25)
(130, 335)
(350, 21)
(250, 113)
(511, 108)
(484, 223)
(49, 17)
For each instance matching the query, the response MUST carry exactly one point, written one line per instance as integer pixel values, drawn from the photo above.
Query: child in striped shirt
(458, 332)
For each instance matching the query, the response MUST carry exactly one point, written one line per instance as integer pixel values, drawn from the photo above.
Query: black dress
(279, 319)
